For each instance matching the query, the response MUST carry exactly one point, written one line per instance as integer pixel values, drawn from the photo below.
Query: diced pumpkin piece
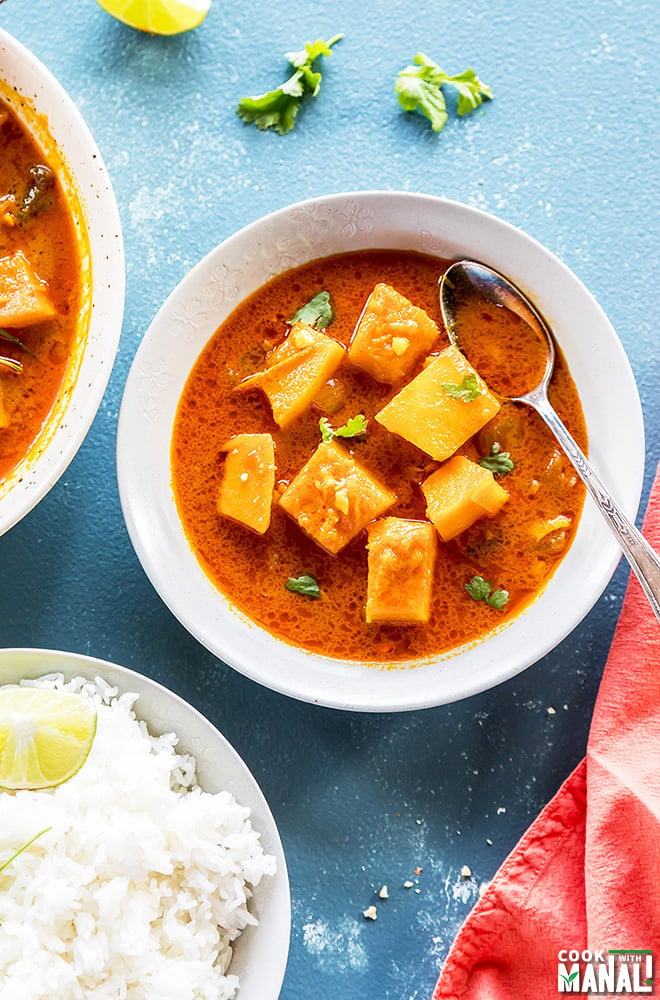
(434, 412)
(23, 296)
(400, 579)
(541, 529)
(332, 497)
(293, 381)
(391, 335)
(459, 493)
(300, 336)
(248, 479)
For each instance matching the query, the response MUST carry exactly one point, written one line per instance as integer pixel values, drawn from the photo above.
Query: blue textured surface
(567, 151)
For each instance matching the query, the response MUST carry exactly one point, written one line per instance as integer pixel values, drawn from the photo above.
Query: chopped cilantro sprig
(317, 312)
(482, 590)
(467, 391)
(278, 108)
(354, 427)
(497, 461)
(419, 88)
(306, 585)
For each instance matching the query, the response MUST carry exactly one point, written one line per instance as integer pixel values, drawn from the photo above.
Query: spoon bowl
(466, 279)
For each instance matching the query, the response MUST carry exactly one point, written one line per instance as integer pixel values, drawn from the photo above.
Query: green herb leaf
(419, 88)
(6, 863)
(10, 363)
(498, 599)
(354, 427)
(14, 340)
(278, 108)
(478, 588)
(467, 391)
(317, 312)
(482, 590)
(306, 585)
(497, 461)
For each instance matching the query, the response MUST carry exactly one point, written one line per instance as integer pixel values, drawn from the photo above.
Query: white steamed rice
(143, 881)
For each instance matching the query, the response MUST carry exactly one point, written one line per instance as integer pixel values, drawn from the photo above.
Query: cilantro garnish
(306, 585)
(497, 461)
(419, 88)
(278, 108)
(482, 590)
(467, 390)
(354, 427)
(317, 312)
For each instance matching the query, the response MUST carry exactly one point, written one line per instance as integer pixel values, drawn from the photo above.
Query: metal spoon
(465, 277)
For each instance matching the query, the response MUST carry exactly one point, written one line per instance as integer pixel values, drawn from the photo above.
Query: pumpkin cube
(400, 579)
(459, 493)
(442, 407)
(295, 375)
(248, 479)
(332, 497)
(23, 296)
(391, 335)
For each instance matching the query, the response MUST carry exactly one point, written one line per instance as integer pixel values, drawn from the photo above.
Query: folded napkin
(586, 874)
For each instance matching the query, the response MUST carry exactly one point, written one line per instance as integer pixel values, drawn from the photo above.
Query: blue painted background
(568, 151)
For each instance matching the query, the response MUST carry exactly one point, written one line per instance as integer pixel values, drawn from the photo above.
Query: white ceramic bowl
(260, 952)
(315, 229)
(55, 122)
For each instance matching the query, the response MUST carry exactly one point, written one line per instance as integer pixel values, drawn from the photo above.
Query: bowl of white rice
(158, 872)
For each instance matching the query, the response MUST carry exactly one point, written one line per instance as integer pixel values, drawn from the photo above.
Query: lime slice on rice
(160, 17)
(45, 736)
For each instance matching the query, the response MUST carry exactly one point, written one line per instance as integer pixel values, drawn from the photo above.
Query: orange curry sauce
(517, 549)
(48, 240)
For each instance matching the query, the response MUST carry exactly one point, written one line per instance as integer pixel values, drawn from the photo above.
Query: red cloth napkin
(586, 874)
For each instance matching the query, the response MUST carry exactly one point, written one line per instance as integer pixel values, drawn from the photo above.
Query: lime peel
(45, 736)
(158, 17)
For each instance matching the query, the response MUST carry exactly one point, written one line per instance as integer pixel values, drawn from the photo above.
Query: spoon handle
(643, 559)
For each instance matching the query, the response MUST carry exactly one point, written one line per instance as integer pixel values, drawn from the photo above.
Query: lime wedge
(45, 736)
(160, 17)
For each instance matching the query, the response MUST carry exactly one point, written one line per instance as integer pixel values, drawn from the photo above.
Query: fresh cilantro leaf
(278, 108)
(497, 461)
(317, 312)
(468, 390)
(419, 88)
(478, 588)
(498, 598)
(306, 585)
(482, 590)
(14, 340)
(354, 427)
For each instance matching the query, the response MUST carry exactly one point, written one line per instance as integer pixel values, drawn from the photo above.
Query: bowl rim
(38, 661)
(23, 73)
(139, 510)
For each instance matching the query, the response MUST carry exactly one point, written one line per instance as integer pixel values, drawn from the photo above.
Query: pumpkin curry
(351, 482)
(40, 288)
